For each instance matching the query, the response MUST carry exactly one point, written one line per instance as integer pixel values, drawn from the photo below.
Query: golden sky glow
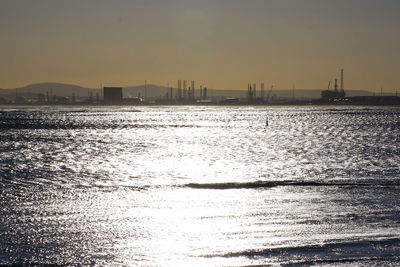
(224, 44)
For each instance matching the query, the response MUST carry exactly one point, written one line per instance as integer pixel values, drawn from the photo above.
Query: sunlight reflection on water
(109, 186)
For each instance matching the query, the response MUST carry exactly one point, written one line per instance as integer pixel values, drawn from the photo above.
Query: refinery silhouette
(186, 93)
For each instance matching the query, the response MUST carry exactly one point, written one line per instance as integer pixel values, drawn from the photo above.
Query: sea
(200, 186)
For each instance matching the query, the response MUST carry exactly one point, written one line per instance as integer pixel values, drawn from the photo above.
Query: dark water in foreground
(200, 186)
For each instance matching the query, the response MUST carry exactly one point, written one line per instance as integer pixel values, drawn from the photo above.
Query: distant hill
(59, 89)
(153, 91)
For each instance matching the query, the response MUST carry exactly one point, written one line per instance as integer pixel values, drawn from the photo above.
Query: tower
(184, 88)
(341, 80)
(193, 96)
(179, 89)
(262, 91)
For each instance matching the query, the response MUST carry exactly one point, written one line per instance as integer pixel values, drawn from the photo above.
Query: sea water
(200, 186)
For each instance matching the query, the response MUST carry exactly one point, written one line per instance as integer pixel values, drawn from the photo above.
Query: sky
(222, 44)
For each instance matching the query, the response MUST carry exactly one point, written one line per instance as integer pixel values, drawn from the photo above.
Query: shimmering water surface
(200, 186)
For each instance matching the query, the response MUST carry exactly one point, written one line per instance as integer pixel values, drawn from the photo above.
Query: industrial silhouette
(186, 93)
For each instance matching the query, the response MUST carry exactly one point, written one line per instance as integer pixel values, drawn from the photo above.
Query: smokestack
(341, 80)
(249, 92)
(193, 93)
(336, 85)
(179, 89)
(184, 88)
(262, 91)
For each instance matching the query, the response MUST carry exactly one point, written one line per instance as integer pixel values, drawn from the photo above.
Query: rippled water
(200, 186)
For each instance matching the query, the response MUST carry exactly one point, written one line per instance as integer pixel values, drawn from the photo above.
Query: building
(334, 95)
(331, 95)
(112, 95)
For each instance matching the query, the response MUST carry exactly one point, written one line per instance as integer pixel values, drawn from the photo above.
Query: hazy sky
(219, 43)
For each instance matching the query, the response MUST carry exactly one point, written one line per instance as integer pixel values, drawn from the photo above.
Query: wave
(268, 184)
(334, 252)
